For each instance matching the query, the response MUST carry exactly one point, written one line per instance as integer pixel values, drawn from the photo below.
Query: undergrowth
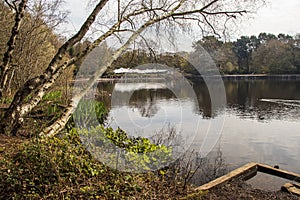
(61, 168)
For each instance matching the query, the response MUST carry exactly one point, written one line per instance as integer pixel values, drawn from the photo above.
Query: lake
(260, 121)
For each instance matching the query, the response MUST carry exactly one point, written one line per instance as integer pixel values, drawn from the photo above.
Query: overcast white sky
(280, 16)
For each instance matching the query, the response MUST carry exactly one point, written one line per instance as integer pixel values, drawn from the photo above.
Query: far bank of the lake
(200, 77)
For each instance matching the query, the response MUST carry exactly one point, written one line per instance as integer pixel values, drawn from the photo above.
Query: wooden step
(248, 171)
(291, 188)
(243, 173)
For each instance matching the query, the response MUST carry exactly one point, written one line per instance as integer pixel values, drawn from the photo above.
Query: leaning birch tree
(7, 57)
(133, 18)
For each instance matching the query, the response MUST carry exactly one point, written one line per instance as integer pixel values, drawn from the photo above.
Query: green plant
(53, 96)
(44, 163)
(137, 153)
(52, 109)
(59, 168)
(62, 168)
(88, 113)
(6, 100)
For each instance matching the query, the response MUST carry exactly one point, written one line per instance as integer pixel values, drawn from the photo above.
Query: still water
(260, 121)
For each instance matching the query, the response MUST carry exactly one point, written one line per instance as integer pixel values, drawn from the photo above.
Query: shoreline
(253, 76)
(199, 77)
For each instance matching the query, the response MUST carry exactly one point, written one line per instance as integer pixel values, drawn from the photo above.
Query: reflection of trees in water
(203, 98)
(104, 91)
(242, 98)
(146, 100)
(147, 108)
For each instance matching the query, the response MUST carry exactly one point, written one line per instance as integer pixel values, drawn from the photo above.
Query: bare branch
(11, 5)
(227, 13)
(197, 10)
(209, 24)
(77, 37)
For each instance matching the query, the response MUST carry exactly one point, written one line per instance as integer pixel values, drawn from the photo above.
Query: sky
(279, 16)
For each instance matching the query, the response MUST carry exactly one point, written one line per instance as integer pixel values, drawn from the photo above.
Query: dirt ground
(6, 143)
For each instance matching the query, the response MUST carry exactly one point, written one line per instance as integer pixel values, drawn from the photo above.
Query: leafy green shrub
(59, 167)
(88, 113)
(136, 153)
(43, 164)
(52, 96)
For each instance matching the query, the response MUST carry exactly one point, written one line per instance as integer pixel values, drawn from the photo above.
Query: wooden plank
(248, 171)
(278, 172)
(291, 188)
(245, 172)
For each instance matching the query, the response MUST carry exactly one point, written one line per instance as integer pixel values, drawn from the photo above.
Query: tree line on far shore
(262, 54)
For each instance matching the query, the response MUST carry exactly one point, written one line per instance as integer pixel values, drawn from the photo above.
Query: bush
(53, 96)
(134, 153)
(61, 168)
(42, 165)
(88, 113)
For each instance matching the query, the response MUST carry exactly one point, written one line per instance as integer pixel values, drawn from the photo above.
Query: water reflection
(262, 117)
(254, 99)
(244, 98)
(142, 107)
(146, 101)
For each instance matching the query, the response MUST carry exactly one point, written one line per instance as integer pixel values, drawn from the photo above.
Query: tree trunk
(6, 61)
(59, 123)
(39, 85)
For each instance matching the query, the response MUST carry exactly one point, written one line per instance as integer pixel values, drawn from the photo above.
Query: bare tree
(6, 64)
(34, 44)
(133, 18)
